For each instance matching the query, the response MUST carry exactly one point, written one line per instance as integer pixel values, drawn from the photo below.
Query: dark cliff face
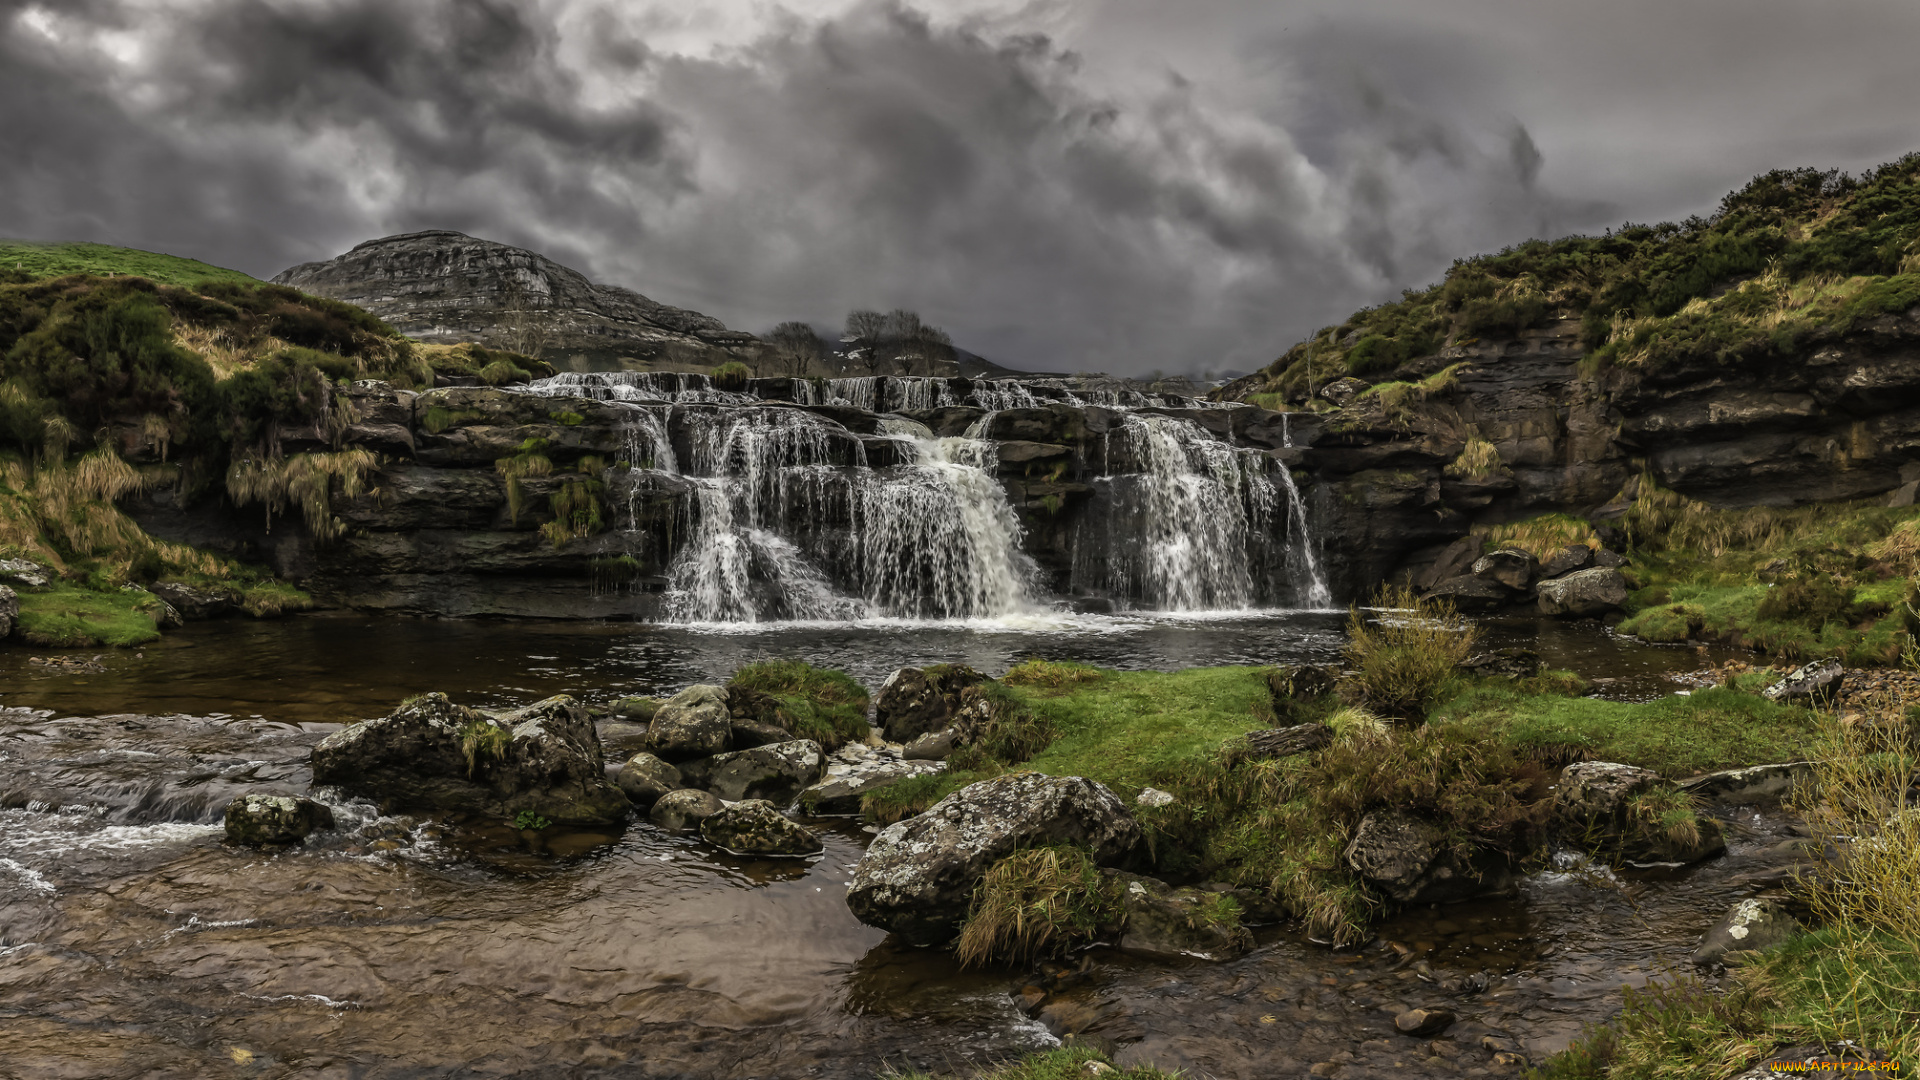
(441, 286)
(1841, 420)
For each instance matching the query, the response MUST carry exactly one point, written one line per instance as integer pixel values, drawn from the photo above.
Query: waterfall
(675, 387)
(1301, 559)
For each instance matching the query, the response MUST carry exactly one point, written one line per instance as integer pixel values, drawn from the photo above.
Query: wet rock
(933, 746)
(1754, 784)
(194, 603)
(1163, 921)
(1410, 860)
(637, 708)
(9, 611)
(754, 827)
(776, 772)
(1286, 742)
(1818, 683)
(433, 754)
(1472, 593)
(1598, 791)
(915, 701)
(1424, 1023)
(260, 820)
(1454, 560)
(1748, 926)
(645, 778)
(1584, 593)
(1566, 560)
(1511, 567)
(917, 877)
(684, 809)
(841, 793)
(694, 723)
(747, 734)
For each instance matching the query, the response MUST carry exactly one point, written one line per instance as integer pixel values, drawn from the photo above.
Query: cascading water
(1302, 562)
(673, 387)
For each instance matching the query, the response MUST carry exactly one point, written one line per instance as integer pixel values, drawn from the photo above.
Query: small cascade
(997, 394)
(649, 387)
(892, 393)
(1302, 561)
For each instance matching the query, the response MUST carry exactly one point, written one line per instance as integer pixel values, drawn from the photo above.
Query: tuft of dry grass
(1478, 460)
(1036, 903)
(303, 480)
(1405, 653)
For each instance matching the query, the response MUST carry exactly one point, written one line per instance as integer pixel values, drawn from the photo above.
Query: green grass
(59, 259)
(1715, 728)
(64, 616)
(1067, 1063)
(826, 706)
(1036, 903)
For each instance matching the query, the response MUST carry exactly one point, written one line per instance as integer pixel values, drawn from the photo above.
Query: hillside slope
(442, 286)
(37, 259)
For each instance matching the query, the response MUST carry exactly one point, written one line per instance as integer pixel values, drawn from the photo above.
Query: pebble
(1421, 1023)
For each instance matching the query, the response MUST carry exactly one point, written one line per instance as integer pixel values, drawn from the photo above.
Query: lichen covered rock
(1410, 860)
(644, 778)
(684, 809)
(915, 701)
(918, 876)
(694, 723)
(433, 754)
(274, 820)
(1162, 921)
(776, 772)
(1748, 926)
(755, 827)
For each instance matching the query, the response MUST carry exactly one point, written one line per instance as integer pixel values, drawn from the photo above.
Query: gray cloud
(1122, 186)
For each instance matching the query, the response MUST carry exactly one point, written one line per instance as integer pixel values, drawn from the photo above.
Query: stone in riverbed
(842, 794)
(1584, 593)
(645, 778)
(776, 772)
(1472, 593)
(1163, 921)
(684, 809)
(1409, 860)
(194, 603)
(914, 701)
(1422, 1023)
(274, 820)
(1512, 567)
(694, 723)
(933, 746)
(754, 827)
(433, 754)
(1817, 683)
(1748, 926)
(918, 876)
(1566, 560)
(1594, 808)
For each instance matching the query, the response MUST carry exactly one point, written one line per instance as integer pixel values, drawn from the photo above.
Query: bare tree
(526, 324)
(797, 346)
(935, 350)
(865, 336)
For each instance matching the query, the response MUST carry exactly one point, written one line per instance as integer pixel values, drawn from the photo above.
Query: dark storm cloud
(1122, 186)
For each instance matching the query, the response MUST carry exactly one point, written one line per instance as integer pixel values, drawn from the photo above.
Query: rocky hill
(442, 286)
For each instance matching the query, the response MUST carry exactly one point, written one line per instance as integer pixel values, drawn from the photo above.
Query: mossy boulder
(435, 755)
(776, 772)
(274, 820)
(694, 723)
(1410, 860)
(1620, 810)
(915, 701)
(1162, 921)
(1584, 593)
(918, 876)
(645, 778)
(755, 827)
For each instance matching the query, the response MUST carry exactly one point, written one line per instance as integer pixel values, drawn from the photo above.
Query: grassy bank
(35, 259)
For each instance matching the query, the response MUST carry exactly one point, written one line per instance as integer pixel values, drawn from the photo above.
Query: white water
(787, 520)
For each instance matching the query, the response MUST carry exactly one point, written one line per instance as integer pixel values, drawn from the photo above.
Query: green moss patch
(826, 706)
(62, 616)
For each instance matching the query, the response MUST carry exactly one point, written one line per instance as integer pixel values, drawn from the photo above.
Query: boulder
(274, 820)
(433, 754)
(1410, 861)
(1566, 560)
(1454, 560)
(1423, 1023)
(1753, 784)
(1598, 791)
(637, 708)
(1904, 494)
(194, 603)
(694, 723)
(1748, 926)
(1817, 683)
(1593, 808)
(684, 809)
(1584, 593)
(918, 876)
(842, 794)
(776, 772)
(22, 572)
(644, 778)
(1472, 593)
(1341, 391)
(9, 611)
(754, 827)
(933, 746)
(1511, 567)
(914, 701)
(1611, 560)
(1162, 921)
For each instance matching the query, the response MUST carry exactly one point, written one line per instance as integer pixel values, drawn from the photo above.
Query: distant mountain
(443, 286)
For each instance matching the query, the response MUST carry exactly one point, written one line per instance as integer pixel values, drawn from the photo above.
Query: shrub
(1405, 653)
(1036, 903)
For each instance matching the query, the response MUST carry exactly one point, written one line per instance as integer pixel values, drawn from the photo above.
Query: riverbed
(133, 944)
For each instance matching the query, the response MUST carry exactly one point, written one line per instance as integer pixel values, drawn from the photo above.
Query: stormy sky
(1116, 185)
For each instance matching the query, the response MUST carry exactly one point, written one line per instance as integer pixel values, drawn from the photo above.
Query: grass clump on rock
(826, 706)
(1037, 903)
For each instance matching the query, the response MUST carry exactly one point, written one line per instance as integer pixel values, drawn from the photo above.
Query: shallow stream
(133, 944)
